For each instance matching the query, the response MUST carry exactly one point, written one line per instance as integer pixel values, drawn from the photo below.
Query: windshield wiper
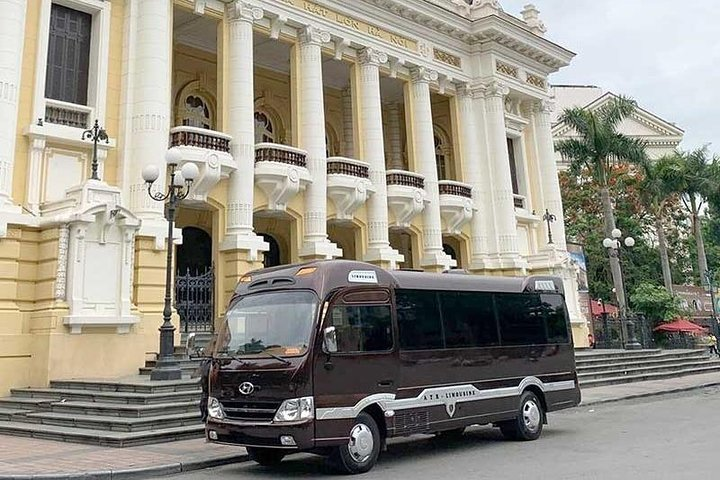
(276, 357)
(226, 354)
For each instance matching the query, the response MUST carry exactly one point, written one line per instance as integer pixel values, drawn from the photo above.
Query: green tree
(693, 172)
(657, 188)
(655, 302)
(597, 148)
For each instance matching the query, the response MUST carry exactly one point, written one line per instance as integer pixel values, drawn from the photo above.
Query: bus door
(357, 361)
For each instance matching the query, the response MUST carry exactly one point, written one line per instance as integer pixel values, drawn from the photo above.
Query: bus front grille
(250, 411)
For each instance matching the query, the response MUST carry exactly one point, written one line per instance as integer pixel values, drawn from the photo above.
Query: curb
(135, 473)
(650, 394)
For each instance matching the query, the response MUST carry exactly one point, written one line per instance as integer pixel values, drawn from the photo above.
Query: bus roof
(327, 275)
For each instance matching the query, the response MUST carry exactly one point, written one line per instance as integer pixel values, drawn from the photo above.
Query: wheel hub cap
(531, 416)
(361, 443)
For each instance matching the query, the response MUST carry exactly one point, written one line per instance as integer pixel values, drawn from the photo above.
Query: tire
(267, 457)
(453, 434)
(362, 451)
(528, 425)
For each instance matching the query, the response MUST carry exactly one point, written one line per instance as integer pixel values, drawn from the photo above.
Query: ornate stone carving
(531, 15)
(535, 81)
(371, 56)
(61, 274)
(448, 58)
(424, 49)
(240, 10)
(496, 89)
(311, 35)
(506, 69)
(423, 75)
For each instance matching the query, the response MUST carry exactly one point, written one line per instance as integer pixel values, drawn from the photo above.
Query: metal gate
(194, 300)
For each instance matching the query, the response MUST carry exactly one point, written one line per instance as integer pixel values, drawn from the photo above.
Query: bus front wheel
(362, 450)
(528, 424)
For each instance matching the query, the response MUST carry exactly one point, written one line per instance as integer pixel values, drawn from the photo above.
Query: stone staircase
(608, 367)
(116, 413)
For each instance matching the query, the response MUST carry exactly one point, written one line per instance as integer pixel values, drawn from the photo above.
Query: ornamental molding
(61, 274)
(312, 35)
(243, 11)
(371, 56)
(447, 58)
(423, 75)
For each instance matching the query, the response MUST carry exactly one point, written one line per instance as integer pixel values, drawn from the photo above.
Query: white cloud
(663, 53)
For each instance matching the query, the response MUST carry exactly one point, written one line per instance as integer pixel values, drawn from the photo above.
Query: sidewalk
(29, 458)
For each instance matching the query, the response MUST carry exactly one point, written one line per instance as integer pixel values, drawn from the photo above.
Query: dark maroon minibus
(334, 357)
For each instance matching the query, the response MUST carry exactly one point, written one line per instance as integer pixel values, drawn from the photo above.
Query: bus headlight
(296, 409)
(215, 409)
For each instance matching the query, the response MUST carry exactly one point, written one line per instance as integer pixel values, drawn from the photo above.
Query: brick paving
(30, 456)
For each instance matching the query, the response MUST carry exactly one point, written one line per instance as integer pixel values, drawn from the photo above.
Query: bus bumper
(294, 436)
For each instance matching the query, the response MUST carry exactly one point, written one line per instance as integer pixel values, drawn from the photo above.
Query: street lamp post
(549, 218)
(614, 246)
(96, 134)
(178, 188)
(710, 277)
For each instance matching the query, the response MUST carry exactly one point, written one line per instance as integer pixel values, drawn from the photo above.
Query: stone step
(188, 371)
(616, 372)
(11, 413)
(647, 376)
(99, 437)
(183, 363)
(590, 354)
(639, 363)
(56, 394)
(588, 361)
(112, 424)
(22, 403)
(124, 410)
(127, 386)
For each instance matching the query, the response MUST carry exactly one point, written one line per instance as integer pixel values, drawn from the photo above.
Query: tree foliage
(655, 302)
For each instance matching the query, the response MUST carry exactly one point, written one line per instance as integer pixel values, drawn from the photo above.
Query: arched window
(440, 158)
(264, 129)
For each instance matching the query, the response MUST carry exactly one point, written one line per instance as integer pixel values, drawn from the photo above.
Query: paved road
(671, 437)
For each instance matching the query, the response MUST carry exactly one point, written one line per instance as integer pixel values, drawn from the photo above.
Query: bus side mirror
(330, 340)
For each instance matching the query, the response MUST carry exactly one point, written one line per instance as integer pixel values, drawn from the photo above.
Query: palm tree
(657, 187)
(694, 172)
(598, 148)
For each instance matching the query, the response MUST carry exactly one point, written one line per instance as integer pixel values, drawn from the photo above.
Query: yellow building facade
(410, 134)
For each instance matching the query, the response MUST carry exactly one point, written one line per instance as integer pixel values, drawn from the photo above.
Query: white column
(311, 130)
(502, 192)
(12, 39)
(394, 123)
(422, 137)
(348, 141)
(150, 106)
(547, 168)
(372, 151)
(240, 104)
(474, 159)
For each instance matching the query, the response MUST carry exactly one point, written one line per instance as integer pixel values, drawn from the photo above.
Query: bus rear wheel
(267, 457)
(362, 450)
(528, 424)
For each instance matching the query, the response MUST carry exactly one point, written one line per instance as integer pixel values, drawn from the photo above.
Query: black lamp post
(96, 134)
(178, 188)
(549, 218)
(613, 246)
(710, 277)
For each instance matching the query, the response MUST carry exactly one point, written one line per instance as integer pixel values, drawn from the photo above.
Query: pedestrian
(712, 345)
(591, 340)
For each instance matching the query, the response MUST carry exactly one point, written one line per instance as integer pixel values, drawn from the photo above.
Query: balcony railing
(67, 114)
(347, 166)
(519, 201)
(458, 189)
(275, 152)
(200, 138)
(405, 179)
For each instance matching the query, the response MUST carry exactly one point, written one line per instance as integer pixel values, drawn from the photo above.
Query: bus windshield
(279, 323)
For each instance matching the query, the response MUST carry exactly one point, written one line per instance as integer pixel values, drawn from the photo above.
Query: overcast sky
(663, 53)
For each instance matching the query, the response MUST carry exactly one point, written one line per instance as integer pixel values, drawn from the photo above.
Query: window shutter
(68, 62)
(513, 166)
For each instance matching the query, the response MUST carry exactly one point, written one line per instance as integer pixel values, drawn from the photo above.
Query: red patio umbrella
(681, 325)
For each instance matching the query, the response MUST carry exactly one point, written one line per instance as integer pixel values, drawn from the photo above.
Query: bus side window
(556, 319)
(362, 328)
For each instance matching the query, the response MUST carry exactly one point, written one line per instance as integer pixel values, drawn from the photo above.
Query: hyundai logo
(246, 388)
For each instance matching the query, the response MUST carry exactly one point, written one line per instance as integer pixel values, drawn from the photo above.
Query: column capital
(472, 91)
(496, 89)
(311, 35)
(371, 56)
(423, 75)
(243, 11)
(543, 106)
